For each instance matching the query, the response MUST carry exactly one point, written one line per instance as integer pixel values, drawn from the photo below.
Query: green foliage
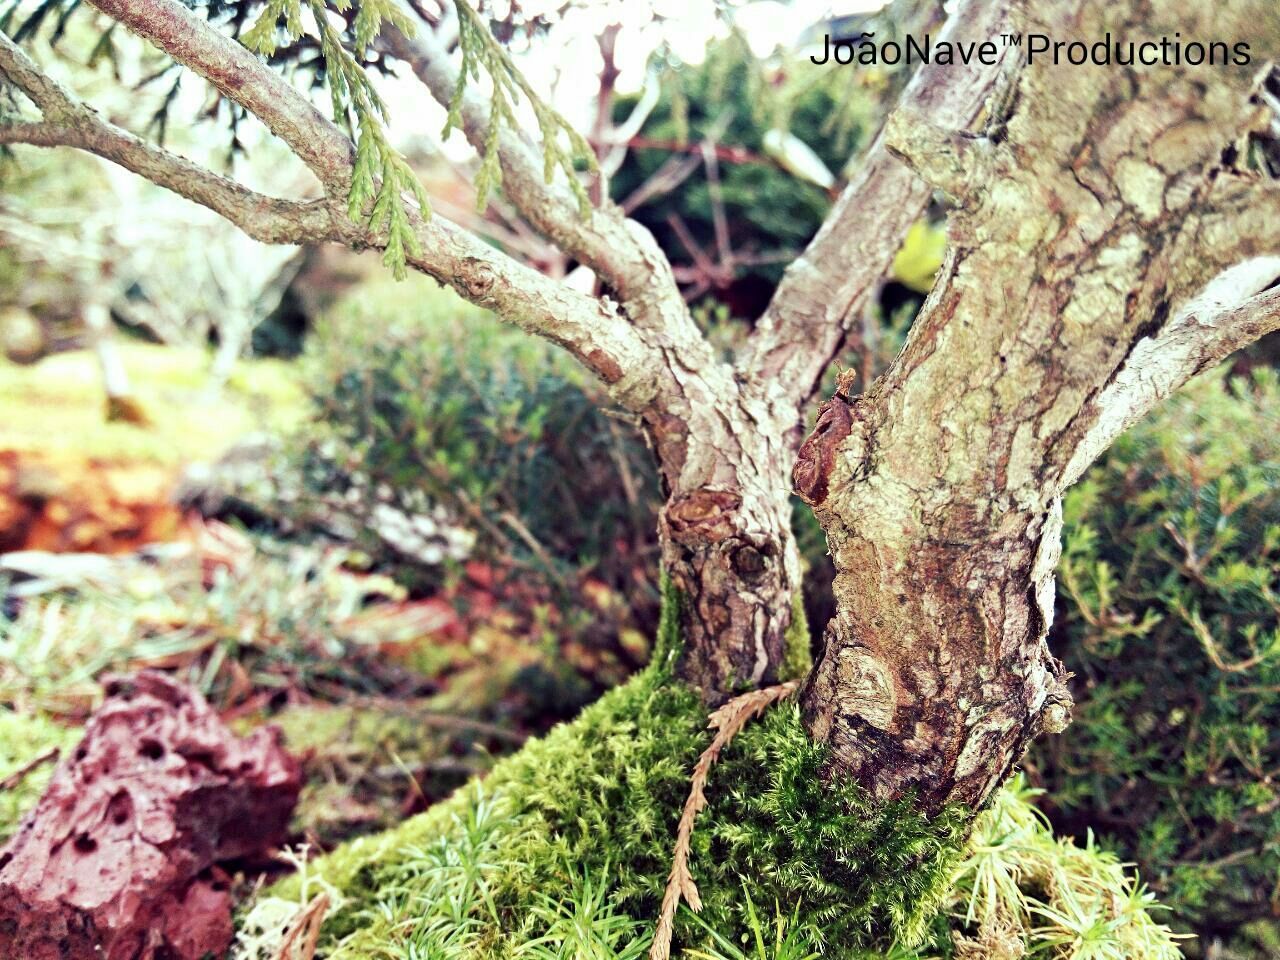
(481, 51)
(1168, 615)
(435, 402)
(563, 851)
(790, 941)
(1021, 887)
(585, 925)
(23, 738)
(744, 99)
(381, 174)
(603, 794)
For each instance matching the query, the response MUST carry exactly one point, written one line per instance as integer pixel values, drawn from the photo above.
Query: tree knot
(704, 515)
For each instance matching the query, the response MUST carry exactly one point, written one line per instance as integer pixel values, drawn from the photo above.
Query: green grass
(57, 407)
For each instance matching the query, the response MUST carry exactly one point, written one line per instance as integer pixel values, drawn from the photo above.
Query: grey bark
(1106, 245)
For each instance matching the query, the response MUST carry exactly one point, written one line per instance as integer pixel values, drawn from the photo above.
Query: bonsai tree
(1111, 235)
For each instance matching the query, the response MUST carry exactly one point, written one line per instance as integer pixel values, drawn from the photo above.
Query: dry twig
(727, 721)
(15, 778)
(304, 933)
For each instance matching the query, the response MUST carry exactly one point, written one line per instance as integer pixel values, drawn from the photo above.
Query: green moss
(600, 798)
(24, 737)
(563, 851)
(668, 644)
(797, 656)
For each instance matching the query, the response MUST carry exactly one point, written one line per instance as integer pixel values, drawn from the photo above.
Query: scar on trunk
(703, 515)
(811, 474)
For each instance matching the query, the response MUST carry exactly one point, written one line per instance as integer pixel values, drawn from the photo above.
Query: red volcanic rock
(116, 862)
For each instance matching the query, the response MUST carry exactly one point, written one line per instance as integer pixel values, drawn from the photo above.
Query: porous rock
(118, 859)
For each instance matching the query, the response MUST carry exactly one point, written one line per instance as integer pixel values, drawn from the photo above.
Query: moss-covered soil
(563, 851)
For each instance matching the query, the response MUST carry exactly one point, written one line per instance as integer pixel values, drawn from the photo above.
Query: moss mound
(564, 849)
(590, 809)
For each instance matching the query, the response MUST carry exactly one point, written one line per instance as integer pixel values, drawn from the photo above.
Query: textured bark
(826, 289)
(114, 862)
(1105, 248)
(1101, 215)
(727, 546)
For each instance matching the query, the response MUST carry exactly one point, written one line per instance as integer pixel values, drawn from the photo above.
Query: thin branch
(608, 41)
(823, 293)
(620, 137)
(13, 780)
(728, 722)
(676, 169)
(71, 123)
(702, 263)
(620, 251)
(596, 333)
(1229, 314)
(724, 247)
(242, 77)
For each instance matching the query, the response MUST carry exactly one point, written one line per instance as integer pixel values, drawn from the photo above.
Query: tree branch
(71, 123)
(240, 76)
(1229, 314)
(619, 250)
(594, 331)
(824, 291)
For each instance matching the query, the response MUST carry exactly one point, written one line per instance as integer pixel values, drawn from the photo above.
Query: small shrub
(424, 403)
(1169, 616)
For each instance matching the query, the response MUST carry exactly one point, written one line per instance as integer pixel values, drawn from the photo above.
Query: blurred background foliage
(728, 133)
(449, 531)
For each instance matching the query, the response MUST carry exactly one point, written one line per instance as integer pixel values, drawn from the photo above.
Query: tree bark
(725, 530)
(1107, 244)
(1104, 207)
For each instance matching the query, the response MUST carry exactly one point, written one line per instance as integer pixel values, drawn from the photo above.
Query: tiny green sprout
(381, 177)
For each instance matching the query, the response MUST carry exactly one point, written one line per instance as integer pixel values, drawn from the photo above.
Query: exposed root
(727, 721)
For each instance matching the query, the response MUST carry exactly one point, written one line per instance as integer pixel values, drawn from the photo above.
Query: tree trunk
(1097, 246)
(725, 533)
(934, 674)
